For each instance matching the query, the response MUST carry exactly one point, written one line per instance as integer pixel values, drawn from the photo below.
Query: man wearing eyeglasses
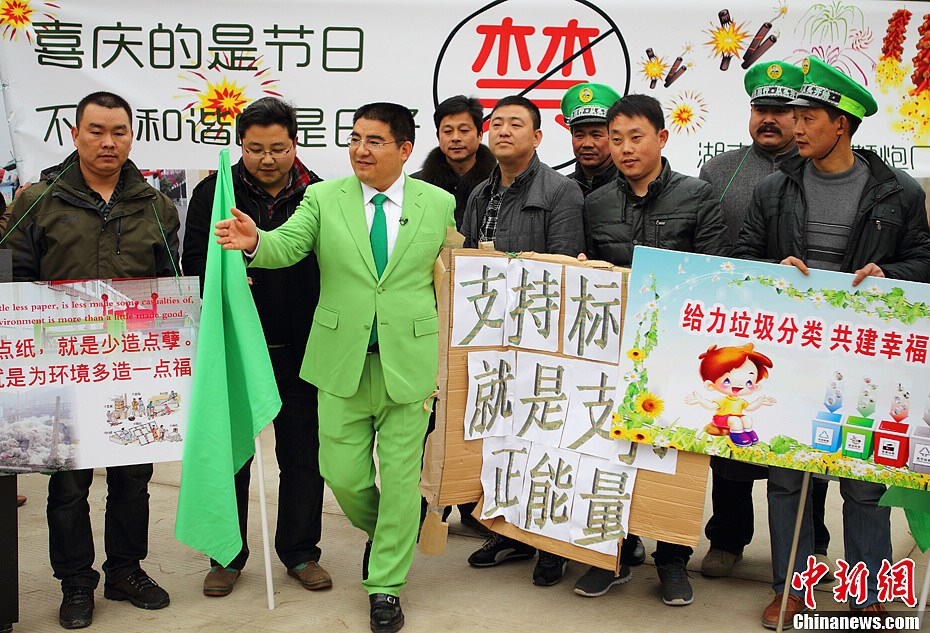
(269, 182)
(373, 348)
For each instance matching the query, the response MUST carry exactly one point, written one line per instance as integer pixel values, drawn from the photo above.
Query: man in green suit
(373, 347)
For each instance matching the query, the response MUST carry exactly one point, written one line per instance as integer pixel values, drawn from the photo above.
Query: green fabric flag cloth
(916, 504)
(234, 395)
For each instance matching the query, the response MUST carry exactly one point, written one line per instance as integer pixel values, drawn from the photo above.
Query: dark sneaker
(500, 549)
(549, 569)
(676, 588)
(475, 525)
(632, 552)
(365, 558)
(77, 607)
(139, 589)
(596, 581)
(386, 614)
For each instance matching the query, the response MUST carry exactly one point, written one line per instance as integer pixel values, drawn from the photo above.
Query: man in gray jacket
(524, 205)
(733, 176)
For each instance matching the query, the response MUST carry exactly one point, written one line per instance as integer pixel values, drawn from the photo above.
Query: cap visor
(804, 102)
(588, 119)
(770, 101)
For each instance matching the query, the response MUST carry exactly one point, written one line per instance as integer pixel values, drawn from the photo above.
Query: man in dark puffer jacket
(649, 205)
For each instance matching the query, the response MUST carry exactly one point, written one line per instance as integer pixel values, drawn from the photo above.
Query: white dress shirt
(393, 209)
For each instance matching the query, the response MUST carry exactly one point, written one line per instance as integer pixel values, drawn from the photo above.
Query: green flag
(234, 395)
(916, 504)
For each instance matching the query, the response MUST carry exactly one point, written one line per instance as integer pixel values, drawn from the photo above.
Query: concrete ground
(443, 594)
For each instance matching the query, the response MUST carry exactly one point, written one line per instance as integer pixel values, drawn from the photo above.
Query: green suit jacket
(330, 221)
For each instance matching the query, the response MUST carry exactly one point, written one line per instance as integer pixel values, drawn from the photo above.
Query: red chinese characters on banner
(504, 60)
(808, 333)
(88, 371)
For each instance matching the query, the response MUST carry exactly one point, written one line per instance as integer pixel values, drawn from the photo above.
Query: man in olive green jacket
(373, 347)
(95, 217)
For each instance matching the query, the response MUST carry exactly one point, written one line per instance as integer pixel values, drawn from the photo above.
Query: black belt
(373, 348)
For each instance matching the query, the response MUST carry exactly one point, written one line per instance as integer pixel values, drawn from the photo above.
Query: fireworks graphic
(221, 98)
(850, 61)
(653, 68)
(890, 73)
(687, 112)
(915, 105)
(726, 40)
(915, 117)
(17, 16)
(831, 22)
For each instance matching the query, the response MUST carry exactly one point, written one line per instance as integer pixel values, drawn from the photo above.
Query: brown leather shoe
(311, 576)
(876, 608)
(770, 615)
(219, 581)
(20, 501)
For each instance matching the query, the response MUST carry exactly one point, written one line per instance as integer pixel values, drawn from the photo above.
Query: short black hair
(518, 100)
(398, 117)
(268, 111)
(834, 113)
(638, 105)
(457, 105)
(104, 100)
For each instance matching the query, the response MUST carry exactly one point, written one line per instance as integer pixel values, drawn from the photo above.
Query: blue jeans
(866, 527)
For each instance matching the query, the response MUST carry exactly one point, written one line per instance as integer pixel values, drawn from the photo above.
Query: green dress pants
(390, 517)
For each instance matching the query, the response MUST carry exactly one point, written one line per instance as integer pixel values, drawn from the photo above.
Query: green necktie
(378, 237)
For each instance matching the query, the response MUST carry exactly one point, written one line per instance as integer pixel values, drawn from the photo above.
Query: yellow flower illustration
(618, 432)
(649, 405)
(641, 435)
(636, 355)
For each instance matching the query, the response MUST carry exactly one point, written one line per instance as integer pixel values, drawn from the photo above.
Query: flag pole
(805, 482)
(266, 549)
(922, 605)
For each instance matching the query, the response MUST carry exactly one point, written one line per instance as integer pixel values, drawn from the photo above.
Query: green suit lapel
(353, 211)
(413, 214)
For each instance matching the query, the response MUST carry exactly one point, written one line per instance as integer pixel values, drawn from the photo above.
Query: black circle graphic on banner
(614, 31)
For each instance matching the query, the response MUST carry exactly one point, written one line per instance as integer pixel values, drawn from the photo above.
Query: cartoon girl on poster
(732, 372)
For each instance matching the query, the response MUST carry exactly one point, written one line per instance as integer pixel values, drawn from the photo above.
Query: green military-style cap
(587, 103)
(773, 83)
(825, 85)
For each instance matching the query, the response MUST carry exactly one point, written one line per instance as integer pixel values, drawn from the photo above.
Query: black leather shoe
(139, 589)
(632, 553)
(386, 614)
(365, 559)
(77, 607)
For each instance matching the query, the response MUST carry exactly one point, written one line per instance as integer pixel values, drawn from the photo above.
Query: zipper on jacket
(878, 225)
(119, 232)
(659, 223)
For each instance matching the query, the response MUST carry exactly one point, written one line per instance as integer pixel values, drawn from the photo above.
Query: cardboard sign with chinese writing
(95, 373)
(757, 362)
(552, 474)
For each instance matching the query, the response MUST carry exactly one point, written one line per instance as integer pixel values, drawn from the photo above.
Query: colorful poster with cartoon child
(757, 362)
